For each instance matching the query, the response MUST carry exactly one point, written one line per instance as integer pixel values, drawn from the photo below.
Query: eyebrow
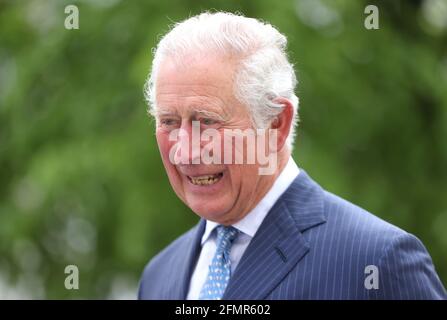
(159, 113)
(204, 113)
(209, 114)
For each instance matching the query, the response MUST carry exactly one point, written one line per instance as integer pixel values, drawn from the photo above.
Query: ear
(283, 121)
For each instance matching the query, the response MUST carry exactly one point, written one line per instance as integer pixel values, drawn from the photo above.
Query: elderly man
(267, 230)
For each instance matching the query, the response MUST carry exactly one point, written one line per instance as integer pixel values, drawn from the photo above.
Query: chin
(208, 211)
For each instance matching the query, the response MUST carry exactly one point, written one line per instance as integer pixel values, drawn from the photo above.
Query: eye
(208, 121)
(168, 122)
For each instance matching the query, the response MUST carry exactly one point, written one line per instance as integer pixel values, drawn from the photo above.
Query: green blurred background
(81, 180)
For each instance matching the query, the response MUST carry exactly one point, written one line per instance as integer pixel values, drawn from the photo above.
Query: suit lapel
(184, 264)
(279, 244)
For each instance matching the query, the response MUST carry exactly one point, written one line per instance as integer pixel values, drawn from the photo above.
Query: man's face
(203, 91)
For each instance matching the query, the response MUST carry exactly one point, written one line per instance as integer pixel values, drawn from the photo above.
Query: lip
(203, 174)
(218, 176)
(205, 189)
(192, 171)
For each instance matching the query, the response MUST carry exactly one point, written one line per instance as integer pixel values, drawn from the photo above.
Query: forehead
(205, 84)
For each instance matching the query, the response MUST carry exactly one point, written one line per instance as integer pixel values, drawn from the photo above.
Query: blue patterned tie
(220, 268)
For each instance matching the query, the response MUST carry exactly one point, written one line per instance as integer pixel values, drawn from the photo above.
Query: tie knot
(225, 236)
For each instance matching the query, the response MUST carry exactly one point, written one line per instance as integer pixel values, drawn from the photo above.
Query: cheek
(164, 144)
(243, 178)
(236, 178)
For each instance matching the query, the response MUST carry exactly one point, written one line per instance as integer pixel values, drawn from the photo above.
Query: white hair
(263, 72)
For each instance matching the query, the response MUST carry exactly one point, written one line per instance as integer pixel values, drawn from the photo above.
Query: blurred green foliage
(81, 180)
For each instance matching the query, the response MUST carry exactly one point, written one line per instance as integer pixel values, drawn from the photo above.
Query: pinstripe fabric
(311, 245)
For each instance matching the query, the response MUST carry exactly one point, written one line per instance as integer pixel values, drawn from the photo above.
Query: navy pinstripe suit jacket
(311, 245)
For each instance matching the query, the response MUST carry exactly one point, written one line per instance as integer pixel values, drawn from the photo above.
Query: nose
(187, 146)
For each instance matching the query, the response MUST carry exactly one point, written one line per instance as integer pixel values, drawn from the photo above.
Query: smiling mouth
(205, 180)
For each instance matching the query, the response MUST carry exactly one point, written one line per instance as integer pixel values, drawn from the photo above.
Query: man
(267, 230)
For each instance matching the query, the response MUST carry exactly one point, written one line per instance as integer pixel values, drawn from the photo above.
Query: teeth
(205, 180)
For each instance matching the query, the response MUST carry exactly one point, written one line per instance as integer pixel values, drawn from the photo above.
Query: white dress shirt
(248, 227)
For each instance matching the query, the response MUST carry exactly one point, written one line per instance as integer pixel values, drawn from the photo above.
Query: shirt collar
(252, 221)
